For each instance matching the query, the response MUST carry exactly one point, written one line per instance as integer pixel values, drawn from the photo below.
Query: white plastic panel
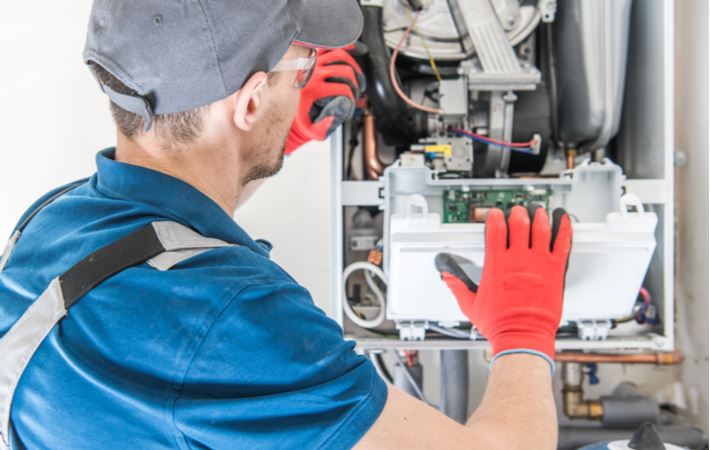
(607, 266)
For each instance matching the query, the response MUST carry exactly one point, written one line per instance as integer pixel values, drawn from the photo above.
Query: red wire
(494, 141)
(410, 358)
(646, 296)
(393, 75)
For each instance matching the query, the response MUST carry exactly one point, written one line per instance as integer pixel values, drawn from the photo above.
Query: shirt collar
(177, 199)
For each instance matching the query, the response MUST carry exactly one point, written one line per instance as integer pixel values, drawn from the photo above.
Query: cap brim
(330, 23)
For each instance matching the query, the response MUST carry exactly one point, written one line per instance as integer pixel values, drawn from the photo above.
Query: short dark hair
(181, 127)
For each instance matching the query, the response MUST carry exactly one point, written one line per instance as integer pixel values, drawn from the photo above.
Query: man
(224, 349)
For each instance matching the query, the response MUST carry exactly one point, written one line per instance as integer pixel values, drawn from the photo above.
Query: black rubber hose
(398, 124)
(383, 367)
(454, 384)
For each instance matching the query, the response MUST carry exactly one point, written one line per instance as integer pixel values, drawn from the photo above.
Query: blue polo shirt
(225, 350)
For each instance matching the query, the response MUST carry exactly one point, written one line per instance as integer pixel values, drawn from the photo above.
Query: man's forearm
(517, 412)
(518, 407)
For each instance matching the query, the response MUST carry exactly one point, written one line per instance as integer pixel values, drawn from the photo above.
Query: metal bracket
(548, 9)
(500, 69)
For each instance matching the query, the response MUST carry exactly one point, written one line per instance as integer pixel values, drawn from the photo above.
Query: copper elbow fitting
(576, 407)
(573, 403)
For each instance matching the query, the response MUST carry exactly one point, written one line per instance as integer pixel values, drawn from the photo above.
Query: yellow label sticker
(445, 149)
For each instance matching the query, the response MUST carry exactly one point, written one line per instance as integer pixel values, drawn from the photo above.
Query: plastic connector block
(593, 330)
(535, 144)
(412, 331)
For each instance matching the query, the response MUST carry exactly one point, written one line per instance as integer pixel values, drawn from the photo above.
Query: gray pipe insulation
(454, 384)
(627, 408)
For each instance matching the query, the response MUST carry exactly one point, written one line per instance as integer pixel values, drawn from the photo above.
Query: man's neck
(209, 169)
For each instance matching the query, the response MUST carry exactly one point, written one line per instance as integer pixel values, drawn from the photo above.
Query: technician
(210, 344)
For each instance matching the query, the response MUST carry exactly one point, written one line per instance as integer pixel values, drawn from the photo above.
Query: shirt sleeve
(273, 371)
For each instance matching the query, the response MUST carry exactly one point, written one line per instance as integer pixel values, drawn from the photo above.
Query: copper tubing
(374, 166)
(658, 358)
(570, 153)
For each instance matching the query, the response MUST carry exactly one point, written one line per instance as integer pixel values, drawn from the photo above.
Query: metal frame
(653, 191)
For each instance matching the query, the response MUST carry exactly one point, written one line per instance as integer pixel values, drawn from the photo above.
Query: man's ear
(248, 100)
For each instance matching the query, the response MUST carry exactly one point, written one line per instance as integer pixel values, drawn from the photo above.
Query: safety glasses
(304, 67)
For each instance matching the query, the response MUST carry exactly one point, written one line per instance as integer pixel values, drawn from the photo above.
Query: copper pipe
(570, 153)
(374, 166)
(658, 358)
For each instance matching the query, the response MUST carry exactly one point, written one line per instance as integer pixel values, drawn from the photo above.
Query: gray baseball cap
(182, 54)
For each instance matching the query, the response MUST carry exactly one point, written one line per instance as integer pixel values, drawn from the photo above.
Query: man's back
(223, 350)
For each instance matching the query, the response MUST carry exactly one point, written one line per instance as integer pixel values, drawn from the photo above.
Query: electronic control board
(469, 206)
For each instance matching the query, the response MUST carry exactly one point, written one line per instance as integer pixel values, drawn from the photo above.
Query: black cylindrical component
(574, 437)
(402, 382)
(532, 116)
(416, 5)
(454, 384)
(398, 124)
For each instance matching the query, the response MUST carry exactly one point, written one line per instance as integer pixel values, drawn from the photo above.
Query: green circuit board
(467, 206)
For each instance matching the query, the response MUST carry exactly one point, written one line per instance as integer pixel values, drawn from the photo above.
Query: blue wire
(527, 150)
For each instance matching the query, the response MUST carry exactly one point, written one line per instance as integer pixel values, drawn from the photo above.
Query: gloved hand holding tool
(328, 99)
(518, 304)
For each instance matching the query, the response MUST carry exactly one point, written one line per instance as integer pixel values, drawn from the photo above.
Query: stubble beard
(267, 155)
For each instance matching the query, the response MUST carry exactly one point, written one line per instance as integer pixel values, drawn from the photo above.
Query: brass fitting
(573, 403)
(575, 407)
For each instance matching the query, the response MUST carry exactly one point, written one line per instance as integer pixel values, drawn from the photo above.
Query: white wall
(53, 119)
(691, 124)
(52, 116)
(292, 210)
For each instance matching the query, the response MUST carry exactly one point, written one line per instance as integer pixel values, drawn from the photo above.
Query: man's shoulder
(232, 264)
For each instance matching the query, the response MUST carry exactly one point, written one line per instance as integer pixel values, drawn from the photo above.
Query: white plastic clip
(417, 208)
(630, 200)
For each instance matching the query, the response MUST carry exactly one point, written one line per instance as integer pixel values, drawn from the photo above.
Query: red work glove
(518, 305)
(328, 99)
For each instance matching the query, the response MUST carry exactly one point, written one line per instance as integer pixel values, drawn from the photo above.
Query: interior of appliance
(479, 104)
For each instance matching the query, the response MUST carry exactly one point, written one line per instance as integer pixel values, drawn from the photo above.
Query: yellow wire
(432, 63)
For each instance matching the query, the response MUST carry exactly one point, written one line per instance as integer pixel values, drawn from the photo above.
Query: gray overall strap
(161, 244)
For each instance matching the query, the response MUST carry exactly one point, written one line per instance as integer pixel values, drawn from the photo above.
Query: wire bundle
(523, 147)
(370, 270)
(393, 71)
